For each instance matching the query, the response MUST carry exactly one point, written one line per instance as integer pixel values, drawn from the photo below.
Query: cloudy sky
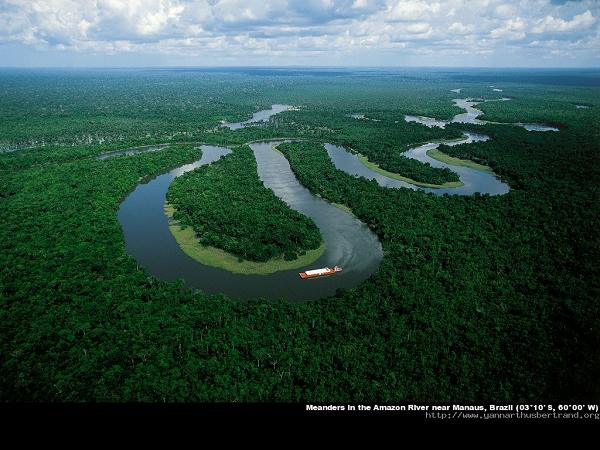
(550, 33)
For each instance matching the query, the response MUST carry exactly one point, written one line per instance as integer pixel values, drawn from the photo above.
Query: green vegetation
(376, 168)
(477, 298)
(123, 108)
(383, 142)
(343, 208)
(215, 257)
(228, 208)
(516, 280)
(438, 154)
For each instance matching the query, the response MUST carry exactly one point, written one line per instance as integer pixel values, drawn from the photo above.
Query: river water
(259, 116)
(473, 180)
(349, 242)
(133, 151)
(470, 116)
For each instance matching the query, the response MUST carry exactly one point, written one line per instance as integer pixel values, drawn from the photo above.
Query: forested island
(227, 207)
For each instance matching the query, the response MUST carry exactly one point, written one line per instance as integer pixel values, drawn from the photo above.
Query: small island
(223, 216)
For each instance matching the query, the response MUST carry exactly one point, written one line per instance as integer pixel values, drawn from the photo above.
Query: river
(349, 242)
(473, 180)
(259, 116)
(471, 114)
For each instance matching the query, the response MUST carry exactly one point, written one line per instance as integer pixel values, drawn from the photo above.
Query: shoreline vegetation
(216, 257)
(337, 205)
(253, 231)
(343, 208)
(374, 167)
(451, 160)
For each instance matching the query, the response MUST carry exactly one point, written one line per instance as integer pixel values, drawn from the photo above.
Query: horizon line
(294, 66)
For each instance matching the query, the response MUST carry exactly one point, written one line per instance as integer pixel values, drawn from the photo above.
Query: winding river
(349, 242)
(471, 115)
(133, 151)
(473, 180)
(259, 116)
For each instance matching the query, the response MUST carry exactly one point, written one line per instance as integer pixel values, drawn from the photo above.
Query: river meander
(473, 180)
(348, 242)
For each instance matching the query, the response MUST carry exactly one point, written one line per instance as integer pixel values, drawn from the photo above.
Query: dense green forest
(229, 208)
(87, 107)
(383, 142)
(482, 298)
(531, 287)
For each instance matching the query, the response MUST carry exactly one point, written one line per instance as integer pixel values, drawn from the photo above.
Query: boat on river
(326, 271)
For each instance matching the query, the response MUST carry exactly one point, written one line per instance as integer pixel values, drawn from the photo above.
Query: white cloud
(512, 29)
(460, 28)
(227, 28)
(412, 9)
(504, 11)
(550, 24)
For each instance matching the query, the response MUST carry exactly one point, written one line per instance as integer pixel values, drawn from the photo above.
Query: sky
(375, 33)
